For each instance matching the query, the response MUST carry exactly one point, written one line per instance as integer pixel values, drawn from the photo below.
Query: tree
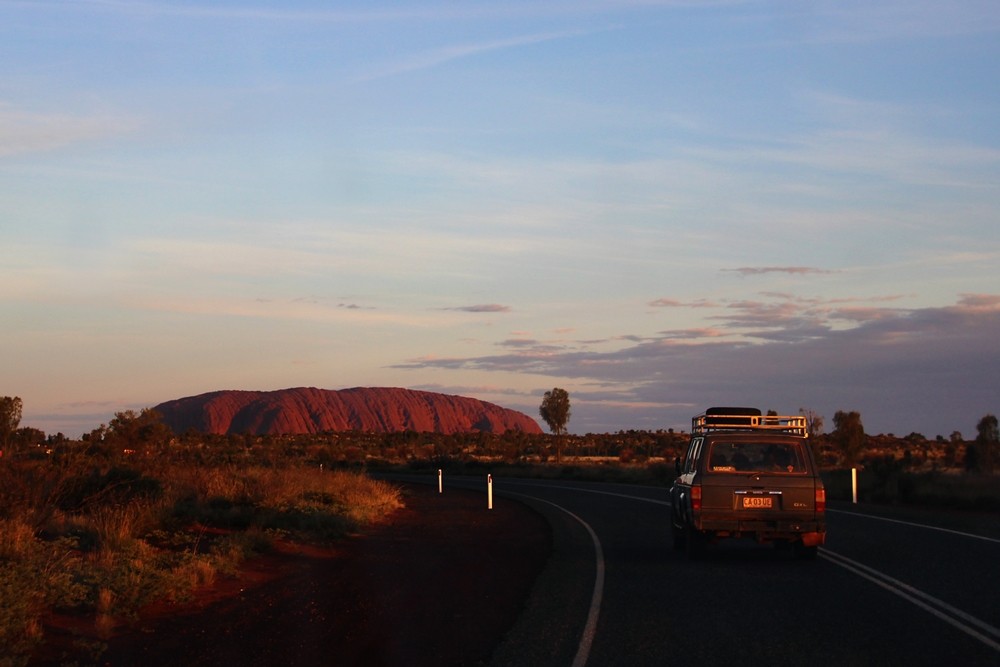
(130, 430)
(814, 422)
(951, 448)
(848, 436)
(988, 435)
(555, 411)
(10, 418)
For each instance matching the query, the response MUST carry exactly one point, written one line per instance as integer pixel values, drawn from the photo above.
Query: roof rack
(711, 421)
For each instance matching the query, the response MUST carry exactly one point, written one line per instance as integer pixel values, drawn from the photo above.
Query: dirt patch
(439, 584)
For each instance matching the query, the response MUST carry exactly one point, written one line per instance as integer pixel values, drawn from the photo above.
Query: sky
(659, 206)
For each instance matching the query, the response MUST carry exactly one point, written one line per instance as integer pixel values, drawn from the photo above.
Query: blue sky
(657, 206)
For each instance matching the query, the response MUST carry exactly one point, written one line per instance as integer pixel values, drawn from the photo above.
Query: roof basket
(747, 419)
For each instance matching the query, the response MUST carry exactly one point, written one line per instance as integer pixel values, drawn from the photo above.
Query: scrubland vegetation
(96, 534)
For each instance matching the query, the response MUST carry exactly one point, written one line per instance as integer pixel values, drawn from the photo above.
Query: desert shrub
(963, 491)
(115, 486)
(123, 577)
(34, 576)
(324, 504)
(887, 482)
(891, 483)
(298, 499)
(116, 537)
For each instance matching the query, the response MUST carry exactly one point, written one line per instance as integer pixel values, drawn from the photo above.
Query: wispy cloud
(440, 56)
(28, 132)
(760, 270)
(674, 303)
(482, 308)
(242, 13)
(477, 390)
(850, 22)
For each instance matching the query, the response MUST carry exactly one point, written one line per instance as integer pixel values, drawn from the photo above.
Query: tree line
(845, 446)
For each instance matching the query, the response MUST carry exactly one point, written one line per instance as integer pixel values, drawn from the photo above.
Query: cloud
(482, 308)
(146, 10)
(863, 22)
(931, 370)
(25, 132)
(978, 303)
(693, 334)
(760, 270)
(779, 316)
(440, 56)
(674, 303)
(477, 390)
(518, 342)
(535, 346)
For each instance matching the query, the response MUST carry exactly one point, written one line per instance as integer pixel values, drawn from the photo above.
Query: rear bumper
(811, 532)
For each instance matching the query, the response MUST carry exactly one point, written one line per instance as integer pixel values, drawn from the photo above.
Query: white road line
(590, 628)
(916, 525)
(970, 625)
(967, 623)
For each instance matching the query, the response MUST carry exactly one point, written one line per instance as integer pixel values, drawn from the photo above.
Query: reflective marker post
(440, 483)
(489, 492)
(854, 485)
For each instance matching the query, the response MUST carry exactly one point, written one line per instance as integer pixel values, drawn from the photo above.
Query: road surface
(891, 590)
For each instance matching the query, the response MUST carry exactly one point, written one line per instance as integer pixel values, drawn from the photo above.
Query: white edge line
(590, 627)
(858, 569)
(983, 625)
(916, 525)
(896, 587)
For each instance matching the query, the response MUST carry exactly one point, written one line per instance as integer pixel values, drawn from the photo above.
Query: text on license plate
(758, 502)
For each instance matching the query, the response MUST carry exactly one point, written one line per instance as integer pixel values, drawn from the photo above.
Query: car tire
(679, 535)
(695, 544)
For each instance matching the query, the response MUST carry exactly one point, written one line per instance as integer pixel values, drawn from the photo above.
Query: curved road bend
(883, 592)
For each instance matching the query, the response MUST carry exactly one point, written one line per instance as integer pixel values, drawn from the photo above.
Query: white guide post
(854, 485)
(440, 482)
(489, 492)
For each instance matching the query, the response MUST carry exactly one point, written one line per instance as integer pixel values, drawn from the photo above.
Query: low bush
(107, 541)
(887, 482)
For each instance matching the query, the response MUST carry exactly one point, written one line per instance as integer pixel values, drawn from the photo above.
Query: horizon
(827, 426)
(657, 206)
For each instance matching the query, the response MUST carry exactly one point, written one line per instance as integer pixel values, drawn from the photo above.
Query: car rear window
(749, 456)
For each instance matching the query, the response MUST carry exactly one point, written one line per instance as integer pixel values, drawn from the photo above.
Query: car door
(682, 485)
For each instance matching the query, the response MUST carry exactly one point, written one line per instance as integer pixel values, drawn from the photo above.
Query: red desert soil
(439, 584)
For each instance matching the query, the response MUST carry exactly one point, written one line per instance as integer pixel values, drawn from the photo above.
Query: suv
(747, 475)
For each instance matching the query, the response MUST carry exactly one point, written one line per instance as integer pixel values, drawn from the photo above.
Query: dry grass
(108, 540)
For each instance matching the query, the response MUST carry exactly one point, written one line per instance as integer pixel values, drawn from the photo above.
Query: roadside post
(440, 482)
(854, 485)
(489, 492)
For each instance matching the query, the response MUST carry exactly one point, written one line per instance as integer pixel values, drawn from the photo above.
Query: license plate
(757, 502)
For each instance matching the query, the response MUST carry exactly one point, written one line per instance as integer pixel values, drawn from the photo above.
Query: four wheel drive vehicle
(750, 476)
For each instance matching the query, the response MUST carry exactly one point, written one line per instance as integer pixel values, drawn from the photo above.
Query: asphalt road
(900, 589)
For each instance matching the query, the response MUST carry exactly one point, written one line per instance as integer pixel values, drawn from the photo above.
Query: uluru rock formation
(310, 410)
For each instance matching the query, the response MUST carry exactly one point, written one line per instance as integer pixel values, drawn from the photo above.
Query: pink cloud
(759, 270)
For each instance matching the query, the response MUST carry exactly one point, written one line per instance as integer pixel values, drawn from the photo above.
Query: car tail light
(820, 499)
(695, 498)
